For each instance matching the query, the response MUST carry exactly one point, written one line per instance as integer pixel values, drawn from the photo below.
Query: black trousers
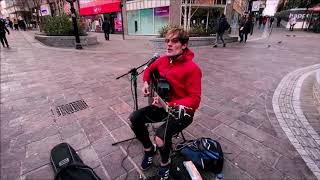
(106, 35)
(219, 36)
(170, 127)
(291, 27)
(3, 39)
(245, 34)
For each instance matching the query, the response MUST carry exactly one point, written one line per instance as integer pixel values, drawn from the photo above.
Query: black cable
(134, 100)
(122, 161)
(127, 149)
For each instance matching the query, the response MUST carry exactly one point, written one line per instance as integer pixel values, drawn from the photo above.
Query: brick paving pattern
(236, 108)
(287, 107)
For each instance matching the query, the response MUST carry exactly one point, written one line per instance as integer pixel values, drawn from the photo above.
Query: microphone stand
(134, 75)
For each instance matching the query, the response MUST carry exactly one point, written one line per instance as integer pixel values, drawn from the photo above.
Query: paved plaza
(257, 101)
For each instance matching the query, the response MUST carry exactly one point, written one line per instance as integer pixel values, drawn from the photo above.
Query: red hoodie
(184, 77)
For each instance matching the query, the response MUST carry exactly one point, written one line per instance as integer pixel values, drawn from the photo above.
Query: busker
(184, 76)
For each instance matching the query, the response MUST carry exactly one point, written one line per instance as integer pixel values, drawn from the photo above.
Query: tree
(186, 13)
(301, 3)
(37, 6)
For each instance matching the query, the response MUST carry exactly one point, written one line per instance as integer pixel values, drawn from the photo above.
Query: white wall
(297, 26)
(271, 6)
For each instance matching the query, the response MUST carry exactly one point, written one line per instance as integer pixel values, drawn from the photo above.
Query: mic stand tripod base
(134, 73)
(113, 144)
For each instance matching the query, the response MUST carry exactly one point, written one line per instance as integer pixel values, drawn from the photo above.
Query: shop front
(94, 12)
(147, 21)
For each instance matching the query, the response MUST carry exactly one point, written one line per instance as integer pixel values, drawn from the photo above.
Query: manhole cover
(71, 107)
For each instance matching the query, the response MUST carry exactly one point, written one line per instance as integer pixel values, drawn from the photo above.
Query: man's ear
(184, 46)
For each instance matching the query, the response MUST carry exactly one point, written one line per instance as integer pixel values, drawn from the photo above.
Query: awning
(316, 9)
(100, 9)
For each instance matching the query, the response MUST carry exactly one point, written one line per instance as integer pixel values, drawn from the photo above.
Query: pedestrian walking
(15, 24)
(264, 21)
(253, 21)
(106, 29)
(260, 21)
(245, 27)
(222, 26)
(10, 24)
(292, 22)
(271, 21)
(22, 24)
(278, 21)
(241, 27)
(3, 30)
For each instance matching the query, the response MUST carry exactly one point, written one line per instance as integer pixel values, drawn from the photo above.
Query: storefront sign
(161, 11)
(255, 6)
(89, 7)
(300, 16)
(118, 23)
(44, 10)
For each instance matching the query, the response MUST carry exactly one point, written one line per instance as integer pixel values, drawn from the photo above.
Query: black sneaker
(215, 45)
(163, 172)
(224, 45)
(148, 158)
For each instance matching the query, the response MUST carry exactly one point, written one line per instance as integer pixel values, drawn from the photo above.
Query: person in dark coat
(106, 29)
(11, 24)
(245, 27)
(3, 30)
(222, 26)
(278, 21)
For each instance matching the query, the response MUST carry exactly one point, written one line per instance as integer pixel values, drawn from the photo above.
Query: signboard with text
(255, 6)
(161, 11)
(90, 7)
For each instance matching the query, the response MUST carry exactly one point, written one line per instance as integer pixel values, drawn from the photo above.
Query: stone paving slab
(238, 86)
(287, 105)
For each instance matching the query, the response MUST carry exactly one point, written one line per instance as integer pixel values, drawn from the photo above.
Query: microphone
(153, 59)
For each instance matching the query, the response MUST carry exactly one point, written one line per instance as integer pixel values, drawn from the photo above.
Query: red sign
(90, 7)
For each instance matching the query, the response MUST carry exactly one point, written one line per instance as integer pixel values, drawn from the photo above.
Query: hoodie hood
(187, 55)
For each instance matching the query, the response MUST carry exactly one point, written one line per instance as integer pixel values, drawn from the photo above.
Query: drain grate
(71, 107)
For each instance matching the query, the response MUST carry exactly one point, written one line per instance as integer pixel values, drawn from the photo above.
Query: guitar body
(159, 86)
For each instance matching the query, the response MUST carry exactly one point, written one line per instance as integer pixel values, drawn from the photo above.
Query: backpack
(67, 164)
(205, 153)
(226, 26)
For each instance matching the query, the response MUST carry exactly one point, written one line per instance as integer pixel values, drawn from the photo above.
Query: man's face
(173, 45)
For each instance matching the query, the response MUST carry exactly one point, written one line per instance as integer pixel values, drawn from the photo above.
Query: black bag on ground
(67, 164)
(205, 153)
(177, 169)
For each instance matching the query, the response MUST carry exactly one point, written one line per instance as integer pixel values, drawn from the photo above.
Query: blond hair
(181, 34)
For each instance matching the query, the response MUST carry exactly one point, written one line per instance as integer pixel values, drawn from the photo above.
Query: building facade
(147, 17)
(94, 12)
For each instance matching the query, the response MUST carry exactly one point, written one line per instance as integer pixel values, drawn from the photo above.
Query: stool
(177, 135)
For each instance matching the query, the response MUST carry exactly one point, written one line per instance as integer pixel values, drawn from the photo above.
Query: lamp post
(121, 8)
(74, 22)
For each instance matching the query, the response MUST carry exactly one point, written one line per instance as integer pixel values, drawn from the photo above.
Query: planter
(65, 41)
(195, 41)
